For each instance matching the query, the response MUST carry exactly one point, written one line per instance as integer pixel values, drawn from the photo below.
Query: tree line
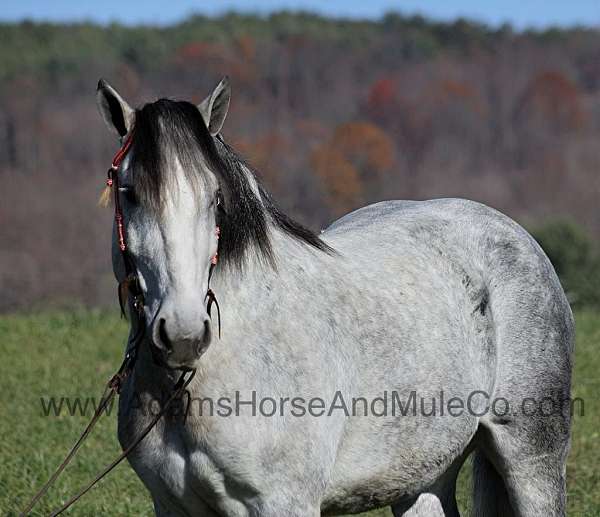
(333, 114)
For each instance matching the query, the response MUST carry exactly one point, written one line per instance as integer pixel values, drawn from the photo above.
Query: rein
(129, 288)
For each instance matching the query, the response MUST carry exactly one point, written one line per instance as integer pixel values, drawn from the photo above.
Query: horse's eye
(129, 194)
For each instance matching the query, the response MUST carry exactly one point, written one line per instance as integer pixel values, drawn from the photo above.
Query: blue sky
(520, 13)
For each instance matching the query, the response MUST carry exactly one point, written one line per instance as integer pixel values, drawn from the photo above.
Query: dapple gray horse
(345, 358)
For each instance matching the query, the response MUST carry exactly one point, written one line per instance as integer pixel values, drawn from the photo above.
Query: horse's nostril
(162, 334)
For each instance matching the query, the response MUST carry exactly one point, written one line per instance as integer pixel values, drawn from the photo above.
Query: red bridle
(113, 181)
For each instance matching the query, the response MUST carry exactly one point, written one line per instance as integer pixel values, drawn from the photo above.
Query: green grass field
(73, 353)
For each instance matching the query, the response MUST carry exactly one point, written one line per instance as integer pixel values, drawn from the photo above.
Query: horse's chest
(180, 476)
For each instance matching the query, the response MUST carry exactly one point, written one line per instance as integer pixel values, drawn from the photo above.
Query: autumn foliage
(333, 114)
(352, 161)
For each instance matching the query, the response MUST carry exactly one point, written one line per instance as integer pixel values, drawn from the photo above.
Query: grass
(73, 353)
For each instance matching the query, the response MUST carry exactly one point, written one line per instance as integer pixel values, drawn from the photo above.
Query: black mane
(166, 129)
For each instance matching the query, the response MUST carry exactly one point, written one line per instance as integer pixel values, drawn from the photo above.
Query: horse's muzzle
(181, 342)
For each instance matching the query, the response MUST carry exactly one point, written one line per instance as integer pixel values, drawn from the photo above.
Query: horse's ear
(117, 114)
(214, 107)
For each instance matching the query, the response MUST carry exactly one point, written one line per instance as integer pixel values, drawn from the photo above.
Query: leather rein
(129, 290)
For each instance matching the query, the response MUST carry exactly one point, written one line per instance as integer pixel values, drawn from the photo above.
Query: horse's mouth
(183, 356)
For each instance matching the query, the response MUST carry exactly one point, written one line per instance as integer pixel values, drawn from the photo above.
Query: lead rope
(113, 387)
(178, 390)
(109, 392)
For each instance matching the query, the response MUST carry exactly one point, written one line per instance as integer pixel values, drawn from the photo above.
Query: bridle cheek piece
(210, 295)
(130, 286)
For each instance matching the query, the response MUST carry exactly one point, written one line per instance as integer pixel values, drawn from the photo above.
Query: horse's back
(451, 238)
(448, 218)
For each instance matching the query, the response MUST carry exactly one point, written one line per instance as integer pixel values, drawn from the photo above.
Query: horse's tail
(490, 498)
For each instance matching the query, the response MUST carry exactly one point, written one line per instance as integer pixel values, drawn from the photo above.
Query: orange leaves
(358, 155)
(341, 178)
(366, 145)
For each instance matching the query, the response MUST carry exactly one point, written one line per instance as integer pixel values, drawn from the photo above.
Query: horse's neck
(293, 261)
